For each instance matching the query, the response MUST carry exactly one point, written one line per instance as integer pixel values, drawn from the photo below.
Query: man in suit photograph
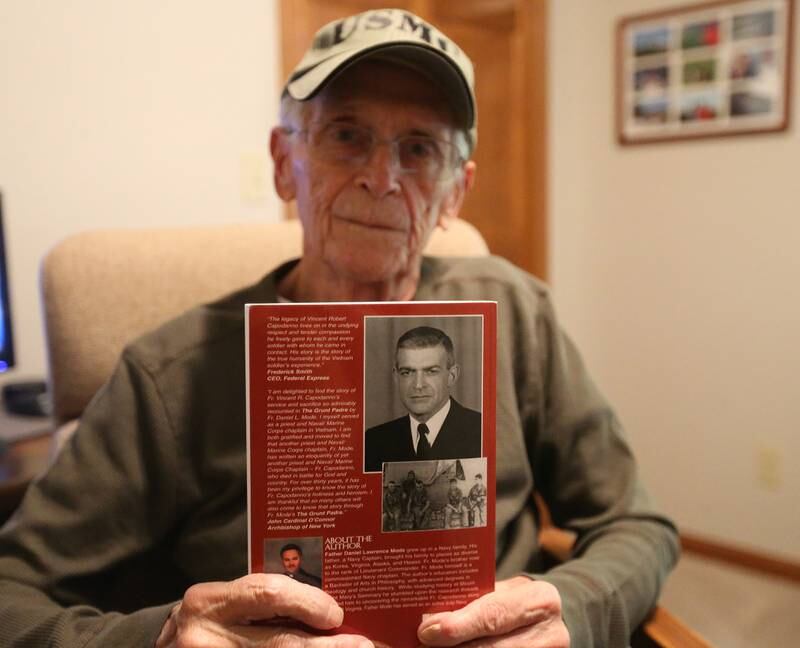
(292, 559)
(436, 426)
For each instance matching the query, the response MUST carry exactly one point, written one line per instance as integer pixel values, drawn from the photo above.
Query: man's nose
(419, 380)
(380, 173)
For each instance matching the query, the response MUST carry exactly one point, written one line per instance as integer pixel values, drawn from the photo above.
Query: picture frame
(712, 69)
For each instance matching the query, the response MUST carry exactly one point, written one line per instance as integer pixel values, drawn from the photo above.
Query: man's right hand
(227, 615)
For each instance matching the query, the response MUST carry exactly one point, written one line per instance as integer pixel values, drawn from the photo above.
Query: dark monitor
(6, 339)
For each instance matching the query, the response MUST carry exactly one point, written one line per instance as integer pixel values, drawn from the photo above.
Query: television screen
(6, 339)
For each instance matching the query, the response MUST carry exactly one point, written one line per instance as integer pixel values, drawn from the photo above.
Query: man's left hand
(520, 612)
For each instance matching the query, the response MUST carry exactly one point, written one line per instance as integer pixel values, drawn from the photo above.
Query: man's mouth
(370, 224)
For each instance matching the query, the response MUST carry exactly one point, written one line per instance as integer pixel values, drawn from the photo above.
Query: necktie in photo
(423, 447)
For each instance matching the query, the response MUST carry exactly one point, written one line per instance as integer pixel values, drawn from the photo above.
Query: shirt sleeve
(586, 473)
(107, 500)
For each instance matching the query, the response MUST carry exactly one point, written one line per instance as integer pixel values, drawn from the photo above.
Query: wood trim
(619, 80)
(681, 9)
(789, 71)
(741, 557)
(493, 14)
(667, 631)
(21, 462)
(539, 35)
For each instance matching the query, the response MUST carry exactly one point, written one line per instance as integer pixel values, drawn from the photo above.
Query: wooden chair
(660, 629)
(102, 289)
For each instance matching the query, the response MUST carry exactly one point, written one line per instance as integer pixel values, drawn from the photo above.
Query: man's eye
(346, 135)
(420, 148)
(404, 373)
(432, 371)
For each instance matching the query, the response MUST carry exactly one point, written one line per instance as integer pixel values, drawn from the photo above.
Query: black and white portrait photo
(422, 389)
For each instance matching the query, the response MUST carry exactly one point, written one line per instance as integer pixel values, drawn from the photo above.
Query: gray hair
(293, 113)
(426, 337)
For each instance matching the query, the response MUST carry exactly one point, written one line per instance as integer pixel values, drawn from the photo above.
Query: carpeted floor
(732, 607)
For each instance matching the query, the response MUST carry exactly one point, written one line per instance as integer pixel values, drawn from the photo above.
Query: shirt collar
(434, 424)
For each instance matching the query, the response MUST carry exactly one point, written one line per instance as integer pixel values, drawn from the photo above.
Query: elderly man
(436, 426)
(137, 535)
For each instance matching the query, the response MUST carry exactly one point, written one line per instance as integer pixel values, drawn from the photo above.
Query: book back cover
(371, 455)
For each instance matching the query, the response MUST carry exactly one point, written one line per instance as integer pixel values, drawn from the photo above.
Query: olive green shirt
(149, 496)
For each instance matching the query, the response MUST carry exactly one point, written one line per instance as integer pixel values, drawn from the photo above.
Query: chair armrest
(659, 630)
(664, 630)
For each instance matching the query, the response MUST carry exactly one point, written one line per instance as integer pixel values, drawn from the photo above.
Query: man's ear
(453, 373)
(451, 205)
(280, 147)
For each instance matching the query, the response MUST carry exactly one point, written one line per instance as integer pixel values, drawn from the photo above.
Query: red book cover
(371, 455)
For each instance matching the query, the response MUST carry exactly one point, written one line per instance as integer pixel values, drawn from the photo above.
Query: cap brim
(304, 84)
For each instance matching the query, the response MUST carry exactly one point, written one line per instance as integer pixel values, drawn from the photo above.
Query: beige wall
(116, 114)
(675, 268)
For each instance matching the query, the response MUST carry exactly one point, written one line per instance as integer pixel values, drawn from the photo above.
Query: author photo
(425, 373)
(297, 558)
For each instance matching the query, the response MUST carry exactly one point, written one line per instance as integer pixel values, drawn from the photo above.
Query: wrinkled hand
(259, 610)
(520, 612)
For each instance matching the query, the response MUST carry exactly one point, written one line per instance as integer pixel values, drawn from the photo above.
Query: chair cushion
(102, 289)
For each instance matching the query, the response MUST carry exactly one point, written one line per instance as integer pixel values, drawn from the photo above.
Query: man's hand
(520, 612)
(257, 610)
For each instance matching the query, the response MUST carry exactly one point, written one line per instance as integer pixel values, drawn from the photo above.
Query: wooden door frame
(528, 169)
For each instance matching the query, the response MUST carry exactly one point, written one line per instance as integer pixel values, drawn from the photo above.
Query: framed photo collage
(718, 68)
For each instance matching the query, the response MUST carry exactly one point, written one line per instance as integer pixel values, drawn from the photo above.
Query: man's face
(291, 560)
(423, 379)
(369, 222)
